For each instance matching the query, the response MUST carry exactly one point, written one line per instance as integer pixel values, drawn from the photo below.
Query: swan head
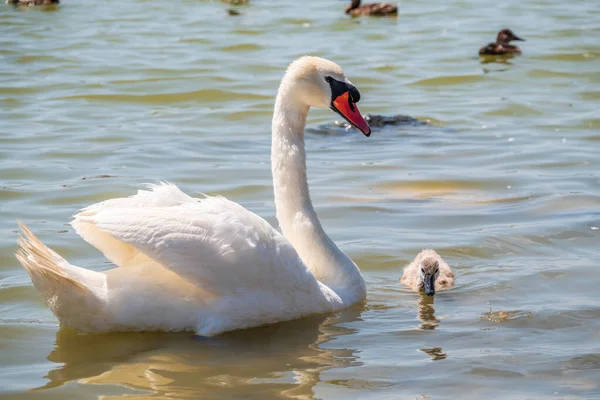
(429, 270)
(320, 83)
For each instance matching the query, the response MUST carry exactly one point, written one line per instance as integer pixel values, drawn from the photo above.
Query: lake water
(99, 98)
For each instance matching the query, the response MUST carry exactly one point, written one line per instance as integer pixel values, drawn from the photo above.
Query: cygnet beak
(429, 285)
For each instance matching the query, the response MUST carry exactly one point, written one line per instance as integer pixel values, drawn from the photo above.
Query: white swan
(209, 265)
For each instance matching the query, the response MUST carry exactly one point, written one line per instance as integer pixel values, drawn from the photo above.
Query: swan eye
(328, 79)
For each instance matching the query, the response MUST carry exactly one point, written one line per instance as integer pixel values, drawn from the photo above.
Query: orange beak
(347, 109)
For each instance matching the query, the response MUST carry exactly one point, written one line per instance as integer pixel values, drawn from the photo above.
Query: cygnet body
(428, 273)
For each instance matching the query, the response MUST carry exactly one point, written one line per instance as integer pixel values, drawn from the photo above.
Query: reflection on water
(285, 358)
(426, 312)
(503, 59)
(436, 353)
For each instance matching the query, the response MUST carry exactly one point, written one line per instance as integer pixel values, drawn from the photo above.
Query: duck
(32, 3)
(380, 121)
(428, 273)
(373, 9)
(502, 46)
(385, 120)
(376, 121)
(208, 264)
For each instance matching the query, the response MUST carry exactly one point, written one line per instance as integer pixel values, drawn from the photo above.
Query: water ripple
(498, 172)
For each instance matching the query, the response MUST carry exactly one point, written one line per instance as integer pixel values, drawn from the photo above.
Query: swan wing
(211, 242)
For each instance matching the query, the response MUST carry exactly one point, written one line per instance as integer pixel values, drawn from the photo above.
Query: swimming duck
(32, 3)
(384, 120)
(380, 121)
(502, 46)
(428, 272)
(375, 9)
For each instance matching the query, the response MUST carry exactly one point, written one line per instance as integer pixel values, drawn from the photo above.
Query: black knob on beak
(354, 93)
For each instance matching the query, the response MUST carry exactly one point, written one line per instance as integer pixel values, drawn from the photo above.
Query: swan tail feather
(75, 295)
(42, 263)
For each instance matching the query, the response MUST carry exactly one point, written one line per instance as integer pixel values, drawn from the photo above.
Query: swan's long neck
(295, 211)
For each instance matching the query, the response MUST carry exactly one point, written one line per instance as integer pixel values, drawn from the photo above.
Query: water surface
(97, 99)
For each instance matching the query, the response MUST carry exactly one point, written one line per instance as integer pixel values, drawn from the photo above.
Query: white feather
(207, 265)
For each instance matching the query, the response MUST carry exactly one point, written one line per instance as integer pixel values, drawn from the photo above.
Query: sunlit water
(98, 98)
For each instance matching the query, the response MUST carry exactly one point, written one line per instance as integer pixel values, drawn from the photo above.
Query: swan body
(428, 273)
(209, 265)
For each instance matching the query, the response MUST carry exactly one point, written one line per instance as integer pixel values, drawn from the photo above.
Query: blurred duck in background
(502, 45)
(374, 9)
(32, 3)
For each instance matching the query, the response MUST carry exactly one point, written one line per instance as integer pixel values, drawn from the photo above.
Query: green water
(98, 98)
